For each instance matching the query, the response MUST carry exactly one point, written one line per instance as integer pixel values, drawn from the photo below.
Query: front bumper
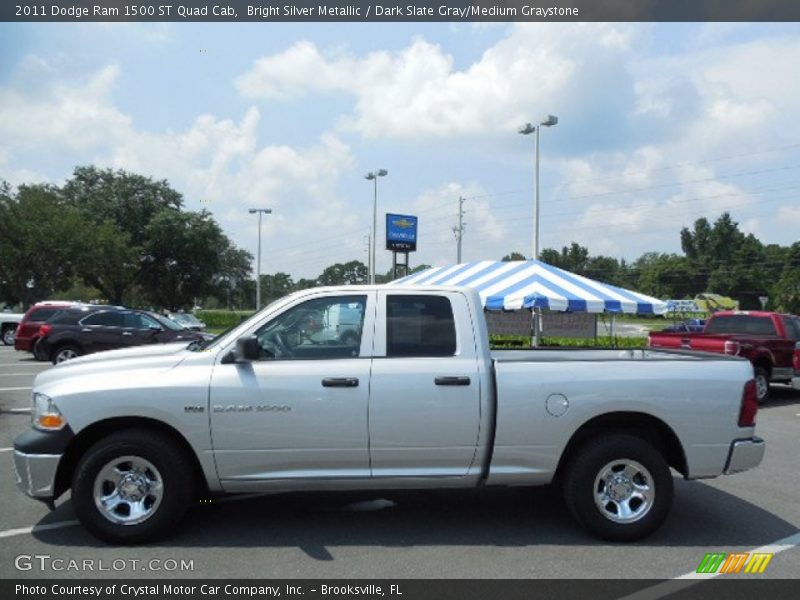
(37, 455)
(36, 474)
(745, 454)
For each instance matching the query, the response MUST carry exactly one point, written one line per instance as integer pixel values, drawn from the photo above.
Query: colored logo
(737, 562)
(403, 223)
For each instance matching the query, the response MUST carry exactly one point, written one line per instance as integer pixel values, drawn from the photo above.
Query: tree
(180, 257)
(350, 273)
(234, 272)
(664, 275)
(785, 295)
(40, 242)
(275, 286)
(118, 207)
(514, 256)
(304, 284)
(573, 258)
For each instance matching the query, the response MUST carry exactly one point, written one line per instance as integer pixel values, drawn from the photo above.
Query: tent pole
(613, 341)
(535, 339)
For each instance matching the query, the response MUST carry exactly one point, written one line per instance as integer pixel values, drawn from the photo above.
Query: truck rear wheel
(762, 384)
(619, 487)
(132, 487)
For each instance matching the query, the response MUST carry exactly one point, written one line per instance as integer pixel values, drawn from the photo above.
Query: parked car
(767, 339)
(188, 320)
(688, 326)
(8, 327)
(75, 332)
(28, 330)
(418, 401)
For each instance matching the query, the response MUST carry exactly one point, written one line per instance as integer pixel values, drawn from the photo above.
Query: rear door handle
(126, 333)
(463, 380)
(340, 382)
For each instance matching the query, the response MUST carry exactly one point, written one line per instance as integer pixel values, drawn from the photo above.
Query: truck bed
(602, 354)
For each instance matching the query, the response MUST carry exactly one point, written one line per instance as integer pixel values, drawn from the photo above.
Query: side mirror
(247, 348)
(155, 328)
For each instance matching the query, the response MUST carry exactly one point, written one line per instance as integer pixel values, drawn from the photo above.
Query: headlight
(45, 414)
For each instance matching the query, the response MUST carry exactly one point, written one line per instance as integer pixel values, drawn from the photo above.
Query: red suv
(28, 329)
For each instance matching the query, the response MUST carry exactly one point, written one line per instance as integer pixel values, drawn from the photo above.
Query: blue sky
(659, 124)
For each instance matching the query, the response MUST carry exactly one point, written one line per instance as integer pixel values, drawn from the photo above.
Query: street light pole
(527, 129)
(260, 211)
(373, 176)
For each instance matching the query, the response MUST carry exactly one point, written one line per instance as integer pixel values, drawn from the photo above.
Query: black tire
(762, 385)
(172, 467)
(65, 353)
(8, 335)
(583, 481)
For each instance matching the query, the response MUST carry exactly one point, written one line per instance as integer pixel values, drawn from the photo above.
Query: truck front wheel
(132, 486)
(619, 487)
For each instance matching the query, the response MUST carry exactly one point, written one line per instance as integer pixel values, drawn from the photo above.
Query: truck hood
(157, 356)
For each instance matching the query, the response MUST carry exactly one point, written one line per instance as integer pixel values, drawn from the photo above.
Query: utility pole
(459, 231)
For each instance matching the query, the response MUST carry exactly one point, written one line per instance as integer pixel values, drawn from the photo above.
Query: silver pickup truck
(415, 400)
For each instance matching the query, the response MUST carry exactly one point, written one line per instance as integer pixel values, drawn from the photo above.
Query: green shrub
(520, 341)
(215, 319)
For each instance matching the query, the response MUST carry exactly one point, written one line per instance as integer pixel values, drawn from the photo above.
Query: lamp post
(260, 211)
(373, 176)
(526, 129)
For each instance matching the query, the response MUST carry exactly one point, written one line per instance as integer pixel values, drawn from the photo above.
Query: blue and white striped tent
(533, 284)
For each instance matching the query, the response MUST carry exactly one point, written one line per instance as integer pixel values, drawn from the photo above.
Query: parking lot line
(14, 389)
(689, 579)
(13, 374)
(23, 530)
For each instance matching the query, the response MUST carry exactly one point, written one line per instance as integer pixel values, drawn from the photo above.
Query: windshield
(167, 323)
(224, 334)
(185, 319)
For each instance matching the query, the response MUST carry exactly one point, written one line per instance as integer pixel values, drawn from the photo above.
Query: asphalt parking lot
(516, 533)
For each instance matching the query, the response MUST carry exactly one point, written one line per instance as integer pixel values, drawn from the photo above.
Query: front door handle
(463, 380)
(126, 333)
(340, 382)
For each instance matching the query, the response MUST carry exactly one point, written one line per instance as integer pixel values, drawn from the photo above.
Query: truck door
(300, 412)
(425, 392)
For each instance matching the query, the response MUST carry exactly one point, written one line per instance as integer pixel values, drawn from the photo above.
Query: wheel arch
(88, 436)
(763, 361)
(642, 425)
(58, 344)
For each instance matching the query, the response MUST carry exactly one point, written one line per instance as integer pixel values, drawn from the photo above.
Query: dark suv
(34, 318)
(74, 332)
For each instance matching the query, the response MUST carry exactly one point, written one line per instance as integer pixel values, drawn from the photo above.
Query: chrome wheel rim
(624, 491)
(761, 387)
(128, 490)
(8, 337)
(66, 354)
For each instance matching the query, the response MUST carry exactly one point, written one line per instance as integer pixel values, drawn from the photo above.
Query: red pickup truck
(771, 341)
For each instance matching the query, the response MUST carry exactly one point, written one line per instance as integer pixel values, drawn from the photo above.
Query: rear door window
(792, 326)
(104, 319)
(419, 326)
(743, 324)
(42, 314)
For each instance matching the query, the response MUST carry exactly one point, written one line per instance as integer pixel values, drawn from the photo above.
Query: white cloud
(417, 92)
(71, 117)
